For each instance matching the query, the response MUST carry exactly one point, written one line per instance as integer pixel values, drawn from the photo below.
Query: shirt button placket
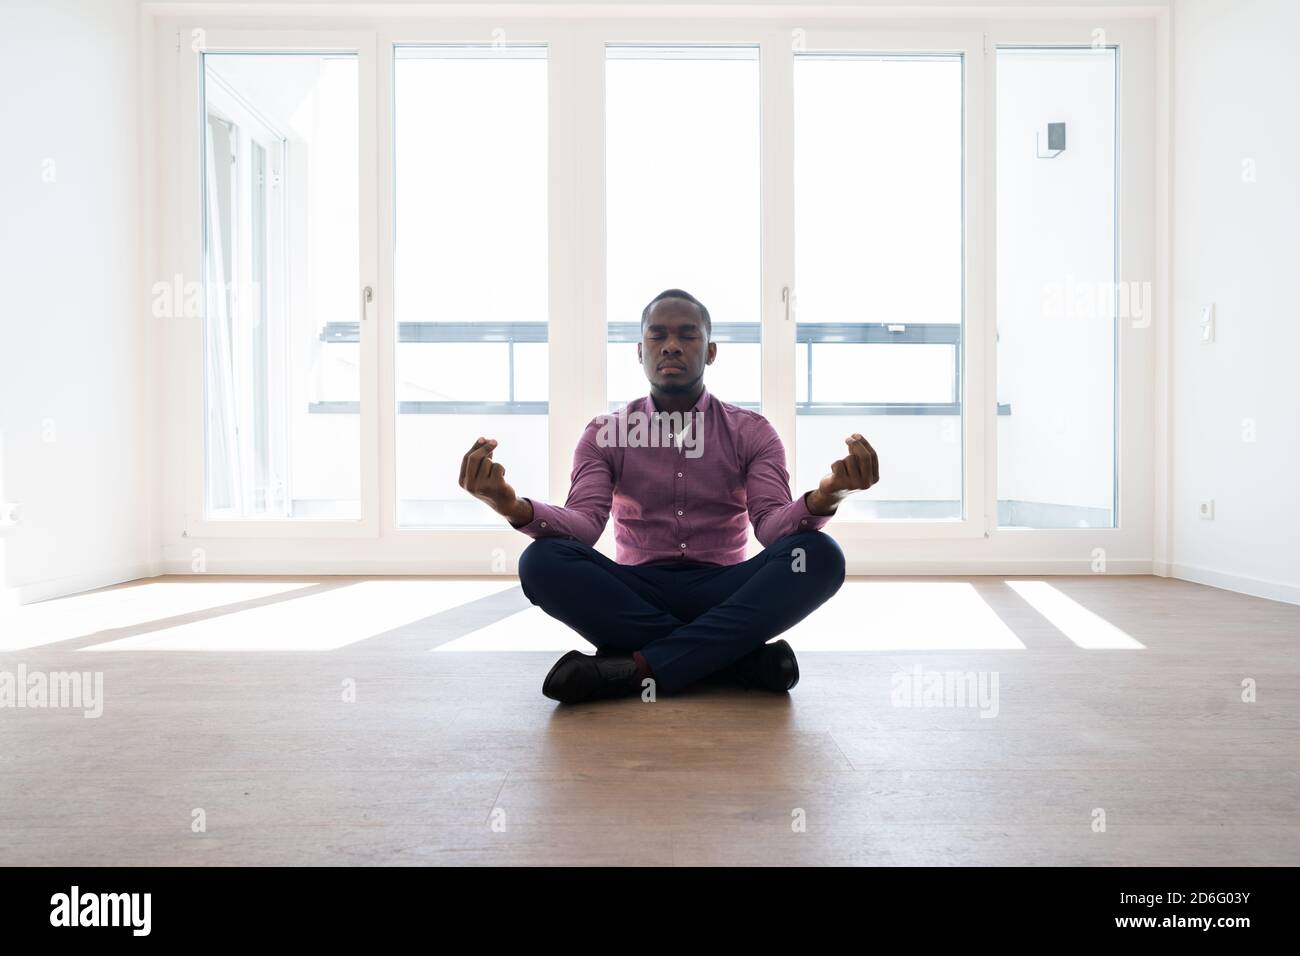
(680, 499)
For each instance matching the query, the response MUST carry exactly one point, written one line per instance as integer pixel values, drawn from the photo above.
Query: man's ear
(713, 353)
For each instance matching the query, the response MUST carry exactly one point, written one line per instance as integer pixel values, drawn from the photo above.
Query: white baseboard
(1001, 567)
(75, 583)
(351, 567)
(1255, 587)
(458, 566)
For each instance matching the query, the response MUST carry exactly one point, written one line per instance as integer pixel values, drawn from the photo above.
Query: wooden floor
(226, 696)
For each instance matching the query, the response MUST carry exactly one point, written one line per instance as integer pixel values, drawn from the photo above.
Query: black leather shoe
(772, 667)
(576, 677)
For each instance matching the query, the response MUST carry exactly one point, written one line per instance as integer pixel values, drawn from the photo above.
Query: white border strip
(607, 11)
(451, 566)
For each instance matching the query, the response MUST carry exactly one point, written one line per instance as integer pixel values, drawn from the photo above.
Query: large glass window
(878, 275)
(281, 253)
(470, 154)
(682, 194)
(1057, 295)
(879, 142)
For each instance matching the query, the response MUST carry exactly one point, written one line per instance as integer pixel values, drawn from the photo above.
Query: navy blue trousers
(688, 619)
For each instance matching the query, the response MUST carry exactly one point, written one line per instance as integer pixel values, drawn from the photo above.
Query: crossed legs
(690, 621)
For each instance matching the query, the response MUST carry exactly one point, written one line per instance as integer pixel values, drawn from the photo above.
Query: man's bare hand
(856, 471)
(485, 479)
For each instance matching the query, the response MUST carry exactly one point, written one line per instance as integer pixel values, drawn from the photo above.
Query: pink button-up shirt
(687, 496)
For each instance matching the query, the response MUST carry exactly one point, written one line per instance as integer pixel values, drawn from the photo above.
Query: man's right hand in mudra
(485, 479)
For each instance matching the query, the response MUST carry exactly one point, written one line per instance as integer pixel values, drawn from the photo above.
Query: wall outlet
(1207, 323)
(1206, 509)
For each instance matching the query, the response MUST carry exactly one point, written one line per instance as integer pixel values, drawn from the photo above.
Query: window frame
(188, 260)
(1137, 497)
(576, 306)
(978, 416)
(564, 410)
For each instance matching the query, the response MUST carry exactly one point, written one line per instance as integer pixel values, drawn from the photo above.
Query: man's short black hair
(679, 294)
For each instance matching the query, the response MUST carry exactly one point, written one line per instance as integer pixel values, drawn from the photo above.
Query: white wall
(1236, 243)
(73, 353)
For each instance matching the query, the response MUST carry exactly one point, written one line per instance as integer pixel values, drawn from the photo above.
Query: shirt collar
(701, 402)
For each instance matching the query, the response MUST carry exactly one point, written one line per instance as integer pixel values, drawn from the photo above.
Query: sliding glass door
(282, 243)
(888, 293)
(1059, 301)
(879, 273)
(471, 282)
(682, 203)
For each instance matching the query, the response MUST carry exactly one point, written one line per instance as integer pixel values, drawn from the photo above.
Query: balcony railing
(809, 333)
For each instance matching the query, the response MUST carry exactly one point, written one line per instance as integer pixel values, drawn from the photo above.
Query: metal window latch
(786, 297)
(367, 296)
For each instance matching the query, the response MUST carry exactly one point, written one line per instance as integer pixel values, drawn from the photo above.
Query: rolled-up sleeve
(591, 492)
(767, 484)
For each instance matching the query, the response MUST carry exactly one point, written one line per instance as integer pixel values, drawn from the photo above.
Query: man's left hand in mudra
(683, 474)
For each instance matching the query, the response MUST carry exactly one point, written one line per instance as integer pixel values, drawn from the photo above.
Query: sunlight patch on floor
(317, 622)
(903, 616)
(81, 615)
(532, 629)
(863, 616)
(1083, 627)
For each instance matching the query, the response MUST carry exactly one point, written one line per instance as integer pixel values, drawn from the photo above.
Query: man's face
(675, 346)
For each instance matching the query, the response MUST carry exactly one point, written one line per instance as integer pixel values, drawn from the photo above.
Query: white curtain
(225, 490)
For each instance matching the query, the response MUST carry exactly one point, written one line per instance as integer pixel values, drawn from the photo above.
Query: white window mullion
(593, 274)
(383, 308)
(367, 312)
(979, 330)
(987, 240)
(577, 245)
(776, 185)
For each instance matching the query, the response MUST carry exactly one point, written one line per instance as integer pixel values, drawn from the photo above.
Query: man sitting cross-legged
(682, 473)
